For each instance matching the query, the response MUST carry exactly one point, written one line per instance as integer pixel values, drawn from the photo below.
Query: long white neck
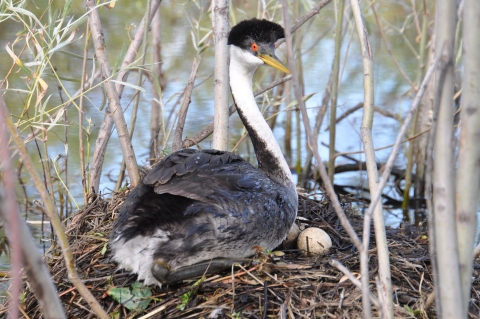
(269, 155)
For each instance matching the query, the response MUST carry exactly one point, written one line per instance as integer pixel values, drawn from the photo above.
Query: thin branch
(133, 118)
(347, 113)
(80, 117)
(37, 273)
(265, 299)
(57, 225)
(372, 172)
(10, 214)
(312, 141)
(335, 88)
(468, 170)
(382, 148)
(451, 301)
(182, 113)
(389, 165)
(314, 11)
(63, 107)
(413, 147)
(323, 109)
(318, 125)
(157, 122)
(221, 81)
(114, 105)
(399, 140)
(432, 234)
(107, 125)
(335, 263)
(389, 50)
(351, 167)
(415, 18)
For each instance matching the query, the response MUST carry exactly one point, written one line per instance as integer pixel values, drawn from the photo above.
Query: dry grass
(289, 286)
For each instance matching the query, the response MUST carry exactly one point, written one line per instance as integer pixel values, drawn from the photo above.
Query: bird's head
(256, 39)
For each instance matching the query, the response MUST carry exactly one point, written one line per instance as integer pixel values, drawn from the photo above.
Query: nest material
(290, 286)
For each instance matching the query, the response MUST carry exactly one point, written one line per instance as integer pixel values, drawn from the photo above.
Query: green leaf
(115, 314)
(64, 78)
(120, 57)
(62, 44)
(67, 7)
(104, 249)
(74, 55)
(138, 298)
(158, 88)
(184, 300)
(104, 99)
(305, 99)
(204, 39)
(194, 41)
(133, 86)
(29, 14)
(54, 121)
(142, 295)
(73, 25)
(411, 311)
(17, 61)
(50, 20)
(17, 90)
(173, 95)
(120, 294)
(23, 297)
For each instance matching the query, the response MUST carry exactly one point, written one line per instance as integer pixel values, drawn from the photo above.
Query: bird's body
(200, 210)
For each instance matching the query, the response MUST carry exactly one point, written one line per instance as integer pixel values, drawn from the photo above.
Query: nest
(277, 285)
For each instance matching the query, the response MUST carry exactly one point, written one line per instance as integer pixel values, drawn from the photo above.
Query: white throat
(269, 155)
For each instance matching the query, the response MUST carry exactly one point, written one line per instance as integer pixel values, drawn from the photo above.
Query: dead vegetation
(287, 284)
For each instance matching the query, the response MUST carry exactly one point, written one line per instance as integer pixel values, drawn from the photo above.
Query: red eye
(254, 47)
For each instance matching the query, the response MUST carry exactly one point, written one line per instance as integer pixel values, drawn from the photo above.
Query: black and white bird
(199, 212)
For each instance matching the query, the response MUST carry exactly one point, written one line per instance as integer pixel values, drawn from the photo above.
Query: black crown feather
(260, 31)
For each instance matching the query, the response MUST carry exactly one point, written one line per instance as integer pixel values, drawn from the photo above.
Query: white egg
(319, 242)
(291, 236)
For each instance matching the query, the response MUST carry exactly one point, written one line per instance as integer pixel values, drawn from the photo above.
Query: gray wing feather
(202, 175)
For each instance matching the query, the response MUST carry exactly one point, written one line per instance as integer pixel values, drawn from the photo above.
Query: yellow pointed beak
(273, 61)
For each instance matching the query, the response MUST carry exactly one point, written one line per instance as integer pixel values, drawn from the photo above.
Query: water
(119, 25)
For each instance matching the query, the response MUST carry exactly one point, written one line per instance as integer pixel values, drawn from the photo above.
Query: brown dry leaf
(345, 277)
(257, 248)
(44, 87)
(111, 5)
